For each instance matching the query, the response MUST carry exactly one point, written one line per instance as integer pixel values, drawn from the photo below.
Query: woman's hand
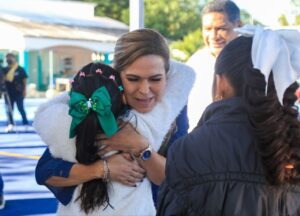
(125, 170)
(126, 140)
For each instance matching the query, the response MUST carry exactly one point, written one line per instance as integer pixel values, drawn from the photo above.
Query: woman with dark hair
(243, 158)
(155, 92)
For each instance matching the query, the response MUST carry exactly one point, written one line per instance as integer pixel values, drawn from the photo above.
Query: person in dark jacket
(243, 158)
(16, 77)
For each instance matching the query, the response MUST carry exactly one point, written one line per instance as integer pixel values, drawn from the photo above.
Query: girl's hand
(127, 139)
(125, 170)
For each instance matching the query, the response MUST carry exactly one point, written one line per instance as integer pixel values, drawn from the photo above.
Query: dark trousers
(19, 100)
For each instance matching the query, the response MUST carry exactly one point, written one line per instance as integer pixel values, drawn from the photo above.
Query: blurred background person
(15, 77)
(219, 18)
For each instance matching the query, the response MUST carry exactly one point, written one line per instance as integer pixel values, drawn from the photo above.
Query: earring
(218, 97)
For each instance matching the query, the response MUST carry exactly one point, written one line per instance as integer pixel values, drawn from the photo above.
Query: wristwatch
(146, 154)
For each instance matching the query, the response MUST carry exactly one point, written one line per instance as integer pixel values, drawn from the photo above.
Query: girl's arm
(52, 123)
(120, 169)
(62, 177)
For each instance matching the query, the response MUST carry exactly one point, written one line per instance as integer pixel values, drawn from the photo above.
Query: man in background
(219, 18)
(15, 81)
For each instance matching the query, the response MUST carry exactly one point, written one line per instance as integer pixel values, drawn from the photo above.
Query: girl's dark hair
(94, 193)
(276, 126)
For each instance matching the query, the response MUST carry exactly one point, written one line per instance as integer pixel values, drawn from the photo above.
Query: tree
(115, 9)
(297, 19)
(296, 11)
(295, 2)
(183, 49)
(246, 18)
(283, 20)
(173, 19)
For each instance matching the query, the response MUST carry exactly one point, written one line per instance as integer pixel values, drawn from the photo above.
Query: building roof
(45, 30)
(40, 29)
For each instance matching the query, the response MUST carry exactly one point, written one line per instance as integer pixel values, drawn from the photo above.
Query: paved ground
(30, 108)
(19, 153)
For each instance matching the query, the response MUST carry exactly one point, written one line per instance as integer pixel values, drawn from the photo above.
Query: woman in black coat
(243, 157)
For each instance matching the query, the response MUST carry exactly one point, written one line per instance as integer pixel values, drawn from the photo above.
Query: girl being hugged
(155, 91)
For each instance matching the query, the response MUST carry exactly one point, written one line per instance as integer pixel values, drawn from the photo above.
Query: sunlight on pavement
(19, 155)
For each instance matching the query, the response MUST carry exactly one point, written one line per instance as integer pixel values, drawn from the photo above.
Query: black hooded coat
(216, 170)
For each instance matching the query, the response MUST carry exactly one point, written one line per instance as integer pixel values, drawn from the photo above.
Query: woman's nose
(144, 87)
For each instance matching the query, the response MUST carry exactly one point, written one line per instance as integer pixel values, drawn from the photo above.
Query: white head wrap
(276, 50)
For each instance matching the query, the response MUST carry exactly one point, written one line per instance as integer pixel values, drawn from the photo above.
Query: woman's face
(144, 82)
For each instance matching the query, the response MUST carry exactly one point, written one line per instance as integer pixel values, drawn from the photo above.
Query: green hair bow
(99, 102)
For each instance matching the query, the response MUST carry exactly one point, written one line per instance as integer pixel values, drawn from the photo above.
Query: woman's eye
(155, 79)
(132, 79)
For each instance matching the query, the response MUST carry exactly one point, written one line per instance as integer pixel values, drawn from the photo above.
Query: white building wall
(50, 7)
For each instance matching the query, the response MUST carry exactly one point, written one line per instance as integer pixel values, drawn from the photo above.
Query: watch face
(146, 155)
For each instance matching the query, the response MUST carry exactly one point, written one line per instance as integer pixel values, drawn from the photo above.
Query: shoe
(9, 128)
(2, 202)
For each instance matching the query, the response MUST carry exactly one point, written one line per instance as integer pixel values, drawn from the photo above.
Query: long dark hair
(94, 193)
(276, 127)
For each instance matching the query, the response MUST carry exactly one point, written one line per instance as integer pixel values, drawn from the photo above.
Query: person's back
(219, 172)
(243, 158)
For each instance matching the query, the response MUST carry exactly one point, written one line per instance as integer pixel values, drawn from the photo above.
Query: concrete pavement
(19, 153)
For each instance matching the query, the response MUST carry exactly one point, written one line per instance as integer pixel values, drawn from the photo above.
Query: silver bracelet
(106, 172)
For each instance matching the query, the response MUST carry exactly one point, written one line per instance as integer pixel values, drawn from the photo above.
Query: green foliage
(296, 2)
(181, 50)
(173, 19)
(297, 20)
(295, 12)
(115, 9)
(283, 20)
(246, 18)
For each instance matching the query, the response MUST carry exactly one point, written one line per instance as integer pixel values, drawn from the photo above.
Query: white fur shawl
(52, 123)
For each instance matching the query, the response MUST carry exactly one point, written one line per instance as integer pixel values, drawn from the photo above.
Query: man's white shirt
(201, 95)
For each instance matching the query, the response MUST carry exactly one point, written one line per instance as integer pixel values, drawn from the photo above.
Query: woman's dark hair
(276, 126)
(94, 193)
